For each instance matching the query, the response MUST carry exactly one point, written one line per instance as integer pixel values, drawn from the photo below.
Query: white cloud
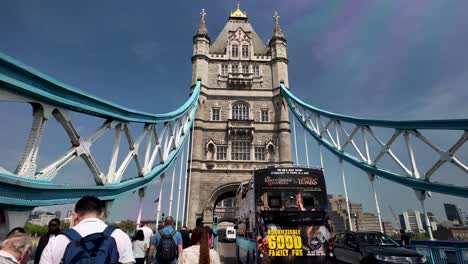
(446, 99)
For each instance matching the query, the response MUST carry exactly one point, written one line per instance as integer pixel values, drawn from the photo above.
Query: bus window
(309, 201)
(274, 202)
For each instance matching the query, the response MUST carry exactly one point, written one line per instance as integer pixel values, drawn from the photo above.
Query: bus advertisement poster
(291, 205)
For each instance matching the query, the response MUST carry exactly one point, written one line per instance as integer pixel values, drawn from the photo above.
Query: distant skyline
(377, 59)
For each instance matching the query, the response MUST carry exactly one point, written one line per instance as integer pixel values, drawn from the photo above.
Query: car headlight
(382, 258)
(423, 259)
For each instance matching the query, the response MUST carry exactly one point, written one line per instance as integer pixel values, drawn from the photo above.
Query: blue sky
(380, 59)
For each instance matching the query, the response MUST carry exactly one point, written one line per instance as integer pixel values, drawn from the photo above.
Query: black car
(372, 247)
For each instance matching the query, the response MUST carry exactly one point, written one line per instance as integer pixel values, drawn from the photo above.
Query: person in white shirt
(139, 247)
(15, 249)
(148, 232)
(87, 219)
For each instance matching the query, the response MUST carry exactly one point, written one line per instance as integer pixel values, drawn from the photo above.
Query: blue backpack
(93, 248)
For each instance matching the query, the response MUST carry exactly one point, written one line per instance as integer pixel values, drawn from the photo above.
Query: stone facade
(242, 120)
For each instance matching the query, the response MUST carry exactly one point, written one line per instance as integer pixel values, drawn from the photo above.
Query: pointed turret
(202, 31)
(279, 56)
(277, 32)
(201, 46)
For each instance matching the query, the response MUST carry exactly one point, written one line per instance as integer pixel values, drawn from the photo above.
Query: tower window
(245, 51)
(221, 152)
(215, 114)
(259, 153)
(240, 150)
(240, 111)
(235, 68)
(245, 68)
(264, 115)
(235, 51)
(224, 69)
(256, 70)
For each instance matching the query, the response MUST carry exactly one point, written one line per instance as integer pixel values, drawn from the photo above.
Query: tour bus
(281, 216)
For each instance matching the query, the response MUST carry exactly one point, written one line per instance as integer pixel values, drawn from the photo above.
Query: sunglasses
(53, 225)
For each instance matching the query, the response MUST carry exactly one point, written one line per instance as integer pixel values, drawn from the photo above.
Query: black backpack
(166, 250)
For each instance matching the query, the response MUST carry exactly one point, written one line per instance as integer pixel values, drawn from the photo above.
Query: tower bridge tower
(242, 120)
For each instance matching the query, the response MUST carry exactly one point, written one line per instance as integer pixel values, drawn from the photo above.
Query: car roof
(360, 232)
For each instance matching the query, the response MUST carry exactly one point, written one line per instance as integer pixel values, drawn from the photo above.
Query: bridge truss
(153, 149)
(360, 142)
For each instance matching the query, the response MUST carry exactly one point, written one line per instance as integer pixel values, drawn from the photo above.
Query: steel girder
(349, 138)
(153, 150)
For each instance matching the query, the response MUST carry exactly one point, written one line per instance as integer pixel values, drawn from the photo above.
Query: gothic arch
(219, 194)
(240, 104)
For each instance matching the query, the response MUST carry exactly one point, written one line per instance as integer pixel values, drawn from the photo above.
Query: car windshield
(376, 240)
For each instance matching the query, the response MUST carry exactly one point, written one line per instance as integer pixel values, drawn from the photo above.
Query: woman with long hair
(139, 247)
(199, 252)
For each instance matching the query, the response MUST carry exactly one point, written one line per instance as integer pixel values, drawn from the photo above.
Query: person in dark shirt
(199, 222)
(185, 237)
(54, 230)
(404, 238)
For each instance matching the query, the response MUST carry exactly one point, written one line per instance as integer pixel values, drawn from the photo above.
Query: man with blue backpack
(90, 240)
(167, 243)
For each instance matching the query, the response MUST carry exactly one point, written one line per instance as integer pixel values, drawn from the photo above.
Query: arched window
(240, 111)
(270, 155)
(210, 150)
(245, 51)
(235, 51)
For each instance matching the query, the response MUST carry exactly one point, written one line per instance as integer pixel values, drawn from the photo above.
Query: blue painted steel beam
(23, 80)
(454, 124)
(417, 184)
(17, 192)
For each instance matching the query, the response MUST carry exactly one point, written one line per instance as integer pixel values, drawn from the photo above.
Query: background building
(432, 221)
(360, 220)
(453, 213)
(448, 231)
(411, 221)
(369, 222)
(388, 227)
(41, 217)
(414, 221)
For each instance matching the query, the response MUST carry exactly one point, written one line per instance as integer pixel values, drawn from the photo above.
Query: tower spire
(277, 32)
(202, 30)
(238, 13)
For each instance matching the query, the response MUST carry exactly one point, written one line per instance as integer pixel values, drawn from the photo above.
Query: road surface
(227, 253)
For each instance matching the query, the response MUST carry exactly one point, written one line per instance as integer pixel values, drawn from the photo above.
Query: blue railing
(442, 252)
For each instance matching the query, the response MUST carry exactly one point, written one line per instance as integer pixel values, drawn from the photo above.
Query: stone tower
(242, 120)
